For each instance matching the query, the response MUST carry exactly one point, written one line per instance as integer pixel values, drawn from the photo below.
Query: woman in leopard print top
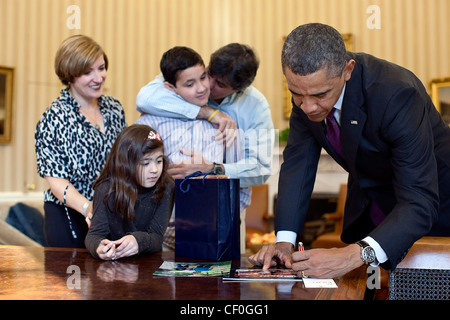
(73, 138)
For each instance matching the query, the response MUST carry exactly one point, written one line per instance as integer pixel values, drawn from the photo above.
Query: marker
(300, 246)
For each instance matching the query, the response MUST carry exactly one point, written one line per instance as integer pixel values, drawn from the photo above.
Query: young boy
(191, 141)
(186, 78)
(184, 73)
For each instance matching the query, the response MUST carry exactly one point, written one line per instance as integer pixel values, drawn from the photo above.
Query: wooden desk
(424, 274)
(428, 253)
(48, 273)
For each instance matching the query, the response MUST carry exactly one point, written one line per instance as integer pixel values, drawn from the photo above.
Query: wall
(135, 33)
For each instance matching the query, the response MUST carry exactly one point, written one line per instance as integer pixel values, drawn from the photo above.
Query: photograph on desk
(192, 269)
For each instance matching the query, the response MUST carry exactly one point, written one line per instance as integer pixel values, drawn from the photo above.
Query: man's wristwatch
(217, 169)
(367, 252)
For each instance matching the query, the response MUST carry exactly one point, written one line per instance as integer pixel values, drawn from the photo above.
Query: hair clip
(153, 136)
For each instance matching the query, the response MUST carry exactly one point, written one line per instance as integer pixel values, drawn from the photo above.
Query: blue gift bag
(207, 218)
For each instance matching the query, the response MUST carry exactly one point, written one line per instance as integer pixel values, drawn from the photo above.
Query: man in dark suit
(393, 143)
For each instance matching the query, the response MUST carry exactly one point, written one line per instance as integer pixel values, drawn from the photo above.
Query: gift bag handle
(192, 175)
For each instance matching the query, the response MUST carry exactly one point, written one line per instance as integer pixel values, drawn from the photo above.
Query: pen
(300, 246)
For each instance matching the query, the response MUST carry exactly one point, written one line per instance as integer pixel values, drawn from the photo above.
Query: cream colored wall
(134, 33)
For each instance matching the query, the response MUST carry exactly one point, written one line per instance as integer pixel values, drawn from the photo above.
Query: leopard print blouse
(68, 146)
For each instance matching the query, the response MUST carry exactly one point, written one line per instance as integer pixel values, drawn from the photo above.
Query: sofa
(9, 235)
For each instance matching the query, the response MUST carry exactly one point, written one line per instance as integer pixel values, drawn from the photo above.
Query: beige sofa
(10, 235)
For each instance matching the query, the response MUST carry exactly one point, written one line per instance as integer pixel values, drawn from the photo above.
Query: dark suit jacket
(397, 151)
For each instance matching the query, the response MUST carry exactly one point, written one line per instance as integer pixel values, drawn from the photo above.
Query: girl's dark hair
(120, 171)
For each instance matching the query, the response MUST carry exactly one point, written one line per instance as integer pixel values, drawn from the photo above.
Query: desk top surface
(428, 253)
(47, 273)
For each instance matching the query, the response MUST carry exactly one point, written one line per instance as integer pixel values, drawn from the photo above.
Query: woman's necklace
(93, 118)
(90, 111)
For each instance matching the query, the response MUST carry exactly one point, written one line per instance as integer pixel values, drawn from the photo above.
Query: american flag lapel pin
(354, 122)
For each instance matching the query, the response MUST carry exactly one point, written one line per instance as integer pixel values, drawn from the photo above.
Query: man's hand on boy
(226, 127)
(195, 162)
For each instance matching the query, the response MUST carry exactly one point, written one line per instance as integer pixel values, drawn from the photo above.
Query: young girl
(133, 197)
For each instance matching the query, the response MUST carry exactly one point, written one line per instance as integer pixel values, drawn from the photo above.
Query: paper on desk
(319, 283)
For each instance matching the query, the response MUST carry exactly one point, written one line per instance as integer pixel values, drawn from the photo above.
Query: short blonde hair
(75, 56)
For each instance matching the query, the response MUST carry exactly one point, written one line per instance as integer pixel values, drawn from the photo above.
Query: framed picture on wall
(6, 103)
(440, 94)
(287, 105)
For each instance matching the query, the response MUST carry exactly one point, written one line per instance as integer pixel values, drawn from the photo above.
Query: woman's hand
(89, 213)
(74, 199)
